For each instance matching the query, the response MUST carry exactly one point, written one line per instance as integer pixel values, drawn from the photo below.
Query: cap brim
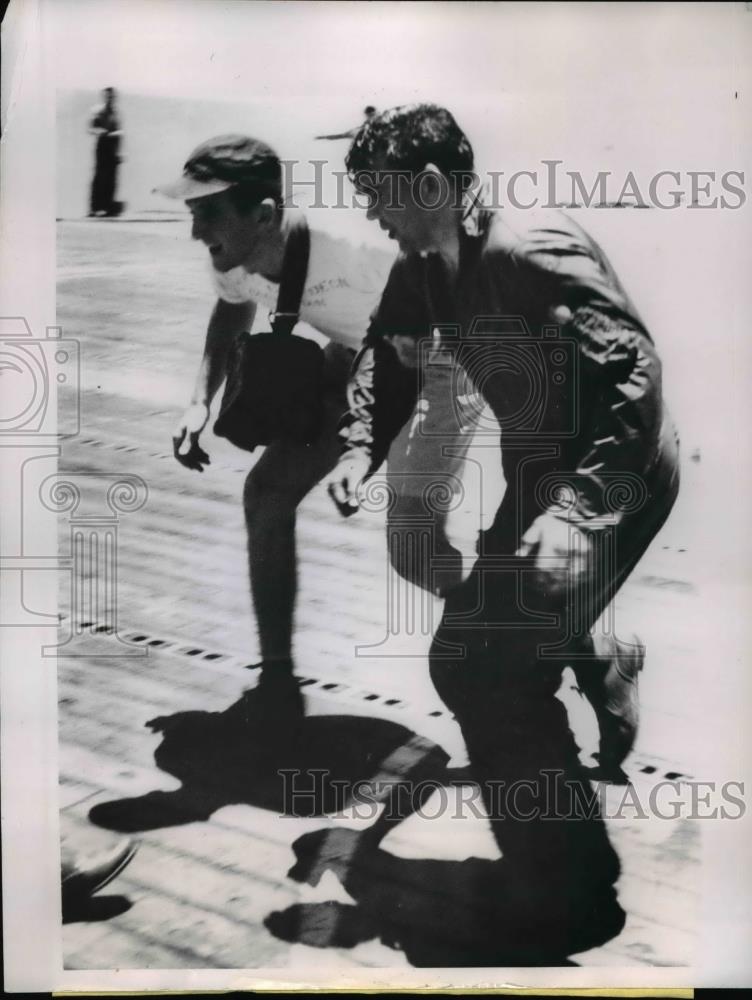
(188, 187)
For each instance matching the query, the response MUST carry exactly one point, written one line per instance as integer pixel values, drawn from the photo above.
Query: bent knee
(423, 555)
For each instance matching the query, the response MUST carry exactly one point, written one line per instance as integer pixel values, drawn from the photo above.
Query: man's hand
(343, 482)
(185, 444)
(560, 551)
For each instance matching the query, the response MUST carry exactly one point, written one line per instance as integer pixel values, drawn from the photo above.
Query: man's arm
(381, 395)
(228, 319)
(616, 447)
(226, 322)
(356, 434)
(95, 126)
(381, 392)
(619, 403)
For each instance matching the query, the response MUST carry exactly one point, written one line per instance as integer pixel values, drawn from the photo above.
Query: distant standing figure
(105, 125)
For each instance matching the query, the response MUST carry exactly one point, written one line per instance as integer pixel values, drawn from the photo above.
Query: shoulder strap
(294, 271)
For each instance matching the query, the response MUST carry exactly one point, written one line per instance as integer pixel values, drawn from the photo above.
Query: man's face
(399, 210)
(231, 237)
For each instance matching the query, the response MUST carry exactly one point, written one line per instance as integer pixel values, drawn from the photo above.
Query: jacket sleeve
(621, 412)
(618, 399)
(381, 395)
(381, 392)
(356, 425)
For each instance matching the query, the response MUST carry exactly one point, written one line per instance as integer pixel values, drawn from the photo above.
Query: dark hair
(408, 137)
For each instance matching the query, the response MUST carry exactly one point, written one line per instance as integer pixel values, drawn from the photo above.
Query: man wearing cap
(233, 188)
(535, 315)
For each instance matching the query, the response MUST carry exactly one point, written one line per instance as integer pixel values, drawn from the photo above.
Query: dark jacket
(578, 403)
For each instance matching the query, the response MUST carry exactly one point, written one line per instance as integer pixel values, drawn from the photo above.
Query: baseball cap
(224, 161)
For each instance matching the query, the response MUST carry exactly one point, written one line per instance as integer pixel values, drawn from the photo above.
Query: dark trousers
(105, 175)
(512, 637)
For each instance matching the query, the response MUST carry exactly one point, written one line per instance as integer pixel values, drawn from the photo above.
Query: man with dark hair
(233, 188)
(404, 135)
(535, 315)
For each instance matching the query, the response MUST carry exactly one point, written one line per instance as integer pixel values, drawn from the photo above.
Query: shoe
(270, 714)
(83, 875)
(276, 699)
(610, 684)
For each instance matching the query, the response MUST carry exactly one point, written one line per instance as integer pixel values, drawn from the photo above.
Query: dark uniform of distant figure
(105, 125)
